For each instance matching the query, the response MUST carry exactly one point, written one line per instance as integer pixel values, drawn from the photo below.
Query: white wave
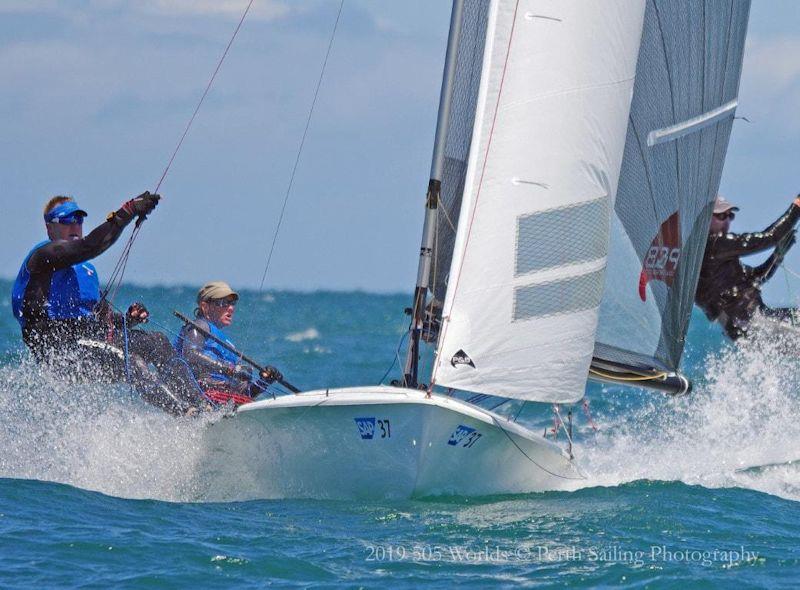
(309, 334)
(102, 438)
(740, 427)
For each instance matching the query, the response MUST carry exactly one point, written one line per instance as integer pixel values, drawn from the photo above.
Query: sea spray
(741, 415)
(96, 436)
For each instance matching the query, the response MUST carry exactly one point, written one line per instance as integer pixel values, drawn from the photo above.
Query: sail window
(561, 236)
(558, 297)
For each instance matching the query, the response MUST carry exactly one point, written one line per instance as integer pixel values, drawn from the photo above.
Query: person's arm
(201, 363)
(733, 245)
(764, 271)
(65, 253)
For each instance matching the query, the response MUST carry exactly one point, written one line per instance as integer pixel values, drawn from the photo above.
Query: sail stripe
(558, 297)
(691, 125)
(541, 242)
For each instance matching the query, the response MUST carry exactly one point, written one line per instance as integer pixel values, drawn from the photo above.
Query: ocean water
(99, 490)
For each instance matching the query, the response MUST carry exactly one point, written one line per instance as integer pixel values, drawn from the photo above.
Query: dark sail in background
(684, 100)
(459, 135)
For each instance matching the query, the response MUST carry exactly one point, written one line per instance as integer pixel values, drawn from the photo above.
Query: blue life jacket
(214, 350)
(74, 291)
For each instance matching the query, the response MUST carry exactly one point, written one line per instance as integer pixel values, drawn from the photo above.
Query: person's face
(219, 311)
(66, 231)
(721, 222)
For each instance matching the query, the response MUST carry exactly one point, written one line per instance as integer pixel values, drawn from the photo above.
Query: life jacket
(214, 350)
(74, 291)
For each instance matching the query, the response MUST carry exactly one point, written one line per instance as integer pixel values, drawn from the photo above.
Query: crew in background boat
(217, 369)
(56, 300)
(729, 291)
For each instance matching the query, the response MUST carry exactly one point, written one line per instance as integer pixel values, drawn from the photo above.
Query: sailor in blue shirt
(218, 369)
(56, 298)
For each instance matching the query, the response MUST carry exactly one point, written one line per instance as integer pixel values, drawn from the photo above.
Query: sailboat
(578, 150)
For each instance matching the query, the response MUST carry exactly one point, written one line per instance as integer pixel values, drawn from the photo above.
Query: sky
(94, 95)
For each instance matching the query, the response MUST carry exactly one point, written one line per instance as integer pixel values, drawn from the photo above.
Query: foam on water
(738, 428)
(97, 437)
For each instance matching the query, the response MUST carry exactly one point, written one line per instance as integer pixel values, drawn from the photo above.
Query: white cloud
(264, 10)
(772, 64)
(770, 88)
(261, 9)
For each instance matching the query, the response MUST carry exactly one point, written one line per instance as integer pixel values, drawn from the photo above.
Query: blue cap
(63, 210)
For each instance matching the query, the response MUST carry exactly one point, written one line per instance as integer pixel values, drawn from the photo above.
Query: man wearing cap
(730, 292)
(57, 288)
(217, 368)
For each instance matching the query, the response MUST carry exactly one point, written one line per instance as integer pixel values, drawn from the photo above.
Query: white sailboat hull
(379, 442)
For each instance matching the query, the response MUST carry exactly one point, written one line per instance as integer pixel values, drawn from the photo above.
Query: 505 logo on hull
(464, 436)
(368, 431)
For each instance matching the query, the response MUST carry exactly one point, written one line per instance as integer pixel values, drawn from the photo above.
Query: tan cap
(721, 205)
(215, 290)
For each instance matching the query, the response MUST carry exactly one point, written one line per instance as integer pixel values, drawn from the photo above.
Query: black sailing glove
(140, 206)
(271, 374)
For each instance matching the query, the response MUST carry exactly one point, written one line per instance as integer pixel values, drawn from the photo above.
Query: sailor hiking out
(729, 291)
(64, 321)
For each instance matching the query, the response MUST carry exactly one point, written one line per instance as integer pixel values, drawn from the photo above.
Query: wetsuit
(55, 300)
(730, 292)
(216, 369)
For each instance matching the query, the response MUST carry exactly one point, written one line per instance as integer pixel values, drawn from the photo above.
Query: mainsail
(527, 272)
(684, 100)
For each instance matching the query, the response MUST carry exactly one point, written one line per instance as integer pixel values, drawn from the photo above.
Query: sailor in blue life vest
(218, 370)
(55, 297)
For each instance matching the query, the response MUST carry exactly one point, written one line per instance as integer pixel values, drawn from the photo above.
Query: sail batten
(527, 272)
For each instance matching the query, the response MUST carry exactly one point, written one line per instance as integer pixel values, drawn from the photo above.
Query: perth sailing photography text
(543, 553)
(346, 293)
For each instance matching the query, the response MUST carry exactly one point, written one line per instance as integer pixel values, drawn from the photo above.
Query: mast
(410, 372)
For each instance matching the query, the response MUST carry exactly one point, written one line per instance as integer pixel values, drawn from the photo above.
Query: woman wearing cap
(730, 292)
(216, 368)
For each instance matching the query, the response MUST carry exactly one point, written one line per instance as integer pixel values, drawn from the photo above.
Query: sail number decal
(464, 436)
(370, 428)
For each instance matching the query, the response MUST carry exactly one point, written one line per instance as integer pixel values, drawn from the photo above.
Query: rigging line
(529, 458)
(203, 97)
(300, 148)
(122, 263)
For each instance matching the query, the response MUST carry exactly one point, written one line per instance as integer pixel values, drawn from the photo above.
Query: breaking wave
(739, 427)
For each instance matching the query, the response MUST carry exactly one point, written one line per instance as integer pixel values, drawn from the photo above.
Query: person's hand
(137, 314)
(797, 201)
(270, 374)
(242, 373)
(142, 205)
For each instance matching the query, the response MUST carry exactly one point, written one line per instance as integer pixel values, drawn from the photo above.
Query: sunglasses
(727, 215)
(223, 302)
(74, 219)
